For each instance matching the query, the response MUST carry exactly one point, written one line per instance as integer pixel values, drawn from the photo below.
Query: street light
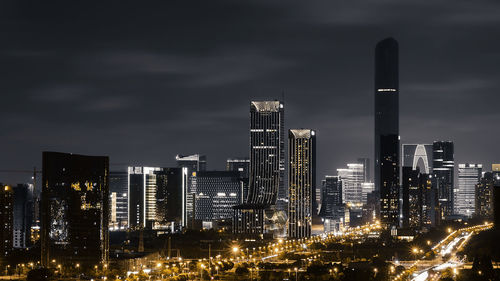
(296, 273)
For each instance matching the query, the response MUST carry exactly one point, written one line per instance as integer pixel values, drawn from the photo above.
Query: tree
(39, 274)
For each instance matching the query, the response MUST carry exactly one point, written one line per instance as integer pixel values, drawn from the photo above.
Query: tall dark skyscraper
(387, 130)
(23, 215)
(267, 154)
(75, 208)
(443, 176)
(302, 207)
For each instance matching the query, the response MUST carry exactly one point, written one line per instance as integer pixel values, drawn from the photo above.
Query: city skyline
(437, 69)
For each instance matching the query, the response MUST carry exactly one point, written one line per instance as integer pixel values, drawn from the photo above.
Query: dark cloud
(143, 81)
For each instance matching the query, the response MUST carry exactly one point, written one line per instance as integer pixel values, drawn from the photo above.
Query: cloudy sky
(143, 81)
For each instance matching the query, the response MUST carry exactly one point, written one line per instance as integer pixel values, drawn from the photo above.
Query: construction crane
(34, 172)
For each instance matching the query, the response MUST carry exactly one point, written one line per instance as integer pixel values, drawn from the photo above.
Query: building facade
(23, 215)
(484, 196)
(267, 154)
(387, 130)
(443, 169)
(352, 184)
(465, 195)
(417, 155)
(302, 209)
(6, 222)
(75, 209)
(118, 193)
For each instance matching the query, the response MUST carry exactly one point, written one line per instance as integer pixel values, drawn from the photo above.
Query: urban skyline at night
(250, 141)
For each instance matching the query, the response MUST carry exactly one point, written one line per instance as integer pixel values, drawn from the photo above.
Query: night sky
(143, 81)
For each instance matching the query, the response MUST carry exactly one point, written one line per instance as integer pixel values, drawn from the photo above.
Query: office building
(352, 184)
(217, 192)
(302, 209)
(496, 205)
(484, 196)
(118, 193)
(75, 209)
(6, 222)
(366, 169)
(267, 154)
(190, 164)
(387, 130)
(155, 197)
(242, 166)
(331, 196)
(464, 195)
(366, 188)
(23, 215)
(248, 219)
(194, 162)
(443, 169)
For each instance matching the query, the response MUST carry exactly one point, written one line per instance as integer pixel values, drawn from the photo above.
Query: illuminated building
(155, 197)
(118, 193)
(217, 192)
(366, 188)
(75, 208)
(23, 215)
(6, 222)
(352, 184)
(302, 209)
(366, 169)
(242, 166)
(248, 219)
(267, 154)
(387, 130)
(443, 176)
(464, 196)
(190, 164)
(331, 197)
(484, 196)
(496, 205)
(417, 155)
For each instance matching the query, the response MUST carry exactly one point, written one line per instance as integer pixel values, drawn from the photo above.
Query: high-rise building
(155, 197)
(387, 130)
(191, 164)
(217, 192)
(194, 162)
(75, 208)
(23, 215)
(496, 205)
(6, 222)
(366, 189)
(267, 154)
(366, 169)
(352, 184)
(302, 209)
(242, 166)
(331, 196)
(484, 196)
(443, 176)
(412, 198)
(417, 155)
(464, 196)
(118, 193)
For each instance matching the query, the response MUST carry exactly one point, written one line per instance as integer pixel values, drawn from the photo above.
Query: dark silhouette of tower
(387, 130)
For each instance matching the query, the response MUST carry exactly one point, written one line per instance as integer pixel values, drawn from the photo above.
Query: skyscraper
(118, 193)
(302, 207)
(464, 196)
(190, 165)
(366, 169)
(267, 154)
(23, 215)
(484, 196)
(387, 130)
(6, 222)
(75, 208)
(242, 166)
(352, 184)
(331, 196)
(443, 176)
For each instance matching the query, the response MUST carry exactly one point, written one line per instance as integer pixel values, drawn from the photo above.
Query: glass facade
(464, 196)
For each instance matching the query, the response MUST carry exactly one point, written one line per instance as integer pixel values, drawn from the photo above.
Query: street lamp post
(296, 273)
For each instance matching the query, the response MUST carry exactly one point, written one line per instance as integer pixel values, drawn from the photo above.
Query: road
(446, 254)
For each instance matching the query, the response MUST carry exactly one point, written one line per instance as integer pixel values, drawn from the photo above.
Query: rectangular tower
(267, 154)
(302, 207)
(443, 169)
(387, 130)
(464, 196)
(75, 208)
(118, 192)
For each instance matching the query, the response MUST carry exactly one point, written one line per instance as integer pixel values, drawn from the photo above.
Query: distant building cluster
(271, 192)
